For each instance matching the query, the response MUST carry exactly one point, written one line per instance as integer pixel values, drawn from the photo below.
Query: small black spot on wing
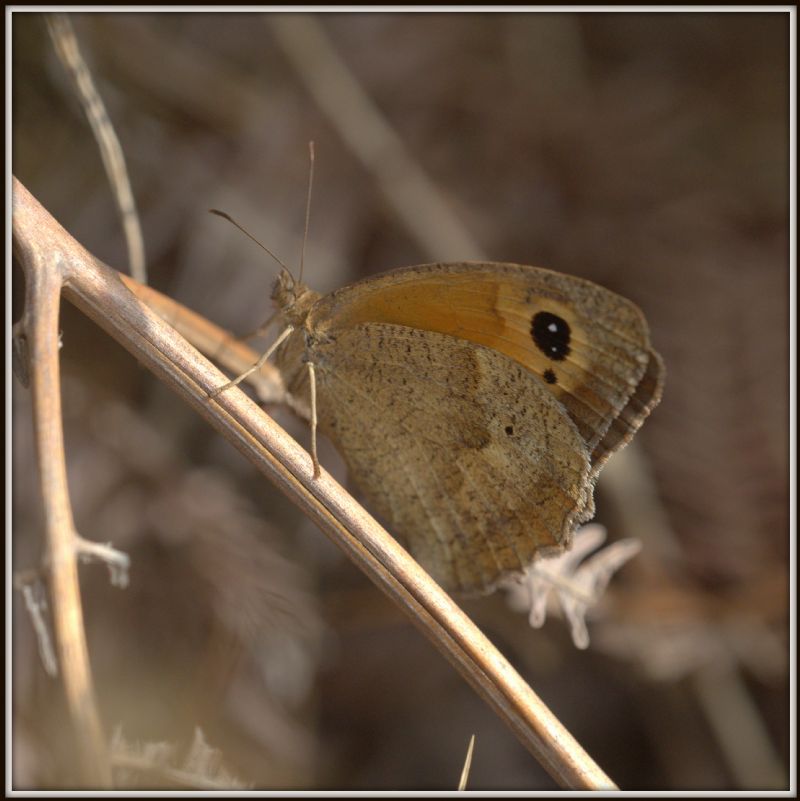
(550, 376)
(551, 334)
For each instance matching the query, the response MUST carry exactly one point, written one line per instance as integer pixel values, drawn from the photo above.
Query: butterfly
(474, 403)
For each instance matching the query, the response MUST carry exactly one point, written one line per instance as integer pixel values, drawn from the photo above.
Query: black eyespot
(550, 377)
(509, 430)
(551, 334)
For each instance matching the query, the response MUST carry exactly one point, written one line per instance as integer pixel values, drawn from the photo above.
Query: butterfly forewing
(589, 346)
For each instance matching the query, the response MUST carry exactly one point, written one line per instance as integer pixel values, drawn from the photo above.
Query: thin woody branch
(102, 295)
(44, 281)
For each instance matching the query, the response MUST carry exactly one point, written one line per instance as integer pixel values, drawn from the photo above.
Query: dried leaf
(579, 583)
(159, 764)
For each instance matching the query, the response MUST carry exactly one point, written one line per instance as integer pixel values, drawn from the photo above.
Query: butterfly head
(293, 298)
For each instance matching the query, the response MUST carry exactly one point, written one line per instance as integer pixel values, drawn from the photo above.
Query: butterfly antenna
(248, 234)
(308, 206)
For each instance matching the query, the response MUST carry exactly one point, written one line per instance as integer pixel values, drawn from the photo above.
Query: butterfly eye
(551, 334)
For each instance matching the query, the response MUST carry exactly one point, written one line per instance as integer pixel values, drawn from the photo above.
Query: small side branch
(116, 561)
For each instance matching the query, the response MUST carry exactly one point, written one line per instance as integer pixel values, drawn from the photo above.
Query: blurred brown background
(647, 152)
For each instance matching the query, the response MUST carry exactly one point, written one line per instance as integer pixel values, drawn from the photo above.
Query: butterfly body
(473, 403)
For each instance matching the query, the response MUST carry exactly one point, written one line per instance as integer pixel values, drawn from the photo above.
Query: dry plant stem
(69, 52)
(100, 293)
(43, 263)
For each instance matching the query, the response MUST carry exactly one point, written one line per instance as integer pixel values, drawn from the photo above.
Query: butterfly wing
(589, 346)
(468, 456)
(643, 400)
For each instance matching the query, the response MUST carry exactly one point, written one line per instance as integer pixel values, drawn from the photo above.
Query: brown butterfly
(474, 403)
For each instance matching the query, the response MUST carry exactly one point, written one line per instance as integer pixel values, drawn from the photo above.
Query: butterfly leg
(256, 332)
(312, 380)
(257, 366)
(262, 329)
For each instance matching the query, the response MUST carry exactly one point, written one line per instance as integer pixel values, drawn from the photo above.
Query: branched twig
(43, 265)
(99, 292)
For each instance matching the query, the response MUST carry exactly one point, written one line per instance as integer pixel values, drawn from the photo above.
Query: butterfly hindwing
(467, 456)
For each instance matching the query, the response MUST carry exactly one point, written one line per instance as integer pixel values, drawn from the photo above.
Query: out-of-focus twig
(720, 690)
(29, 584)
(98, 291)
(629, 482)
(739, 728)
(416, 199)
(68, 50)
